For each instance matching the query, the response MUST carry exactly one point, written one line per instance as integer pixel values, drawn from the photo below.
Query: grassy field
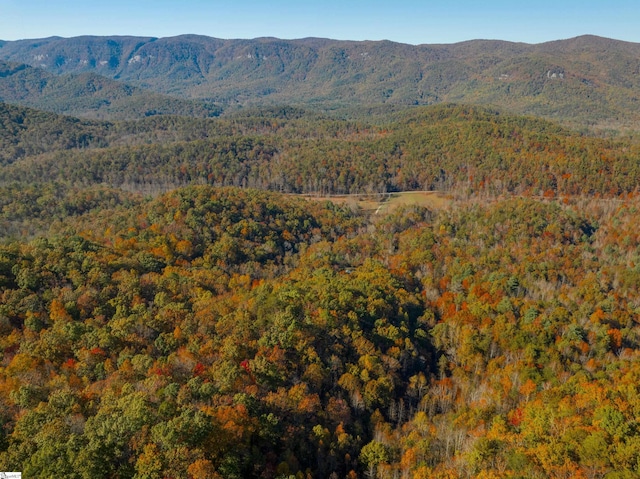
(388, 202)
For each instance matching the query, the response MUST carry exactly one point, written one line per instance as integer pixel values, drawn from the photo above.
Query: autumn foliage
(232, 332)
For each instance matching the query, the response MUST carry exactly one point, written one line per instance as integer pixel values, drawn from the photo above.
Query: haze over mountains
(585, 80)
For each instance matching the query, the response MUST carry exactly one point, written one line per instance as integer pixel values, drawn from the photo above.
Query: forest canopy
(467, 150)
(171, 306)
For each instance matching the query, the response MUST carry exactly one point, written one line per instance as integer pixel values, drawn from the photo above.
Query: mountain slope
(25, 132)
(588, 80)
(89, 95)
(468, 150)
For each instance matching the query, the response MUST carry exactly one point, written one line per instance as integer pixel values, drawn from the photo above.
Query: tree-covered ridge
(89, 95)
(237, 333)
(28, 132)
(469, 150)
(25, 132)
(582, 81)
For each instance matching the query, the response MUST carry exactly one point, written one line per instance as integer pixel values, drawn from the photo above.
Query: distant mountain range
(585, 80)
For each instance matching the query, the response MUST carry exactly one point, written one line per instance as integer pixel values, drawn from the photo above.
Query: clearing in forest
(388, 202)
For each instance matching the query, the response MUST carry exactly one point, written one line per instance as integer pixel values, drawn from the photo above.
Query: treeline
(466, 150)
(224, 332)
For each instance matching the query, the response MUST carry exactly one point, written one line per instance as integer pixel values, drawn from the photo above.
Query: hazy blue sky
(443, 21)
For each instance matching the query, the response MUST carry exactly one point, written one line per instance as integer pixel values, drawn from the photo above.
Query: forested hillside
(171, 306)
(466, 150)
(235, 333)
(89, 95)
(585, 81)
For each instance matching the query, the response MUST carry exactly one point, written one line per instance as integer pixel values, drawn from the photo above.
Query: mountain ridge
(586, 80)
(89, 95)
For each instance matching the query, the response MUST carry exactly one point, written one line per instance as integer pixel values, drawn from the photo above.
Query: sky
(404, 21)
